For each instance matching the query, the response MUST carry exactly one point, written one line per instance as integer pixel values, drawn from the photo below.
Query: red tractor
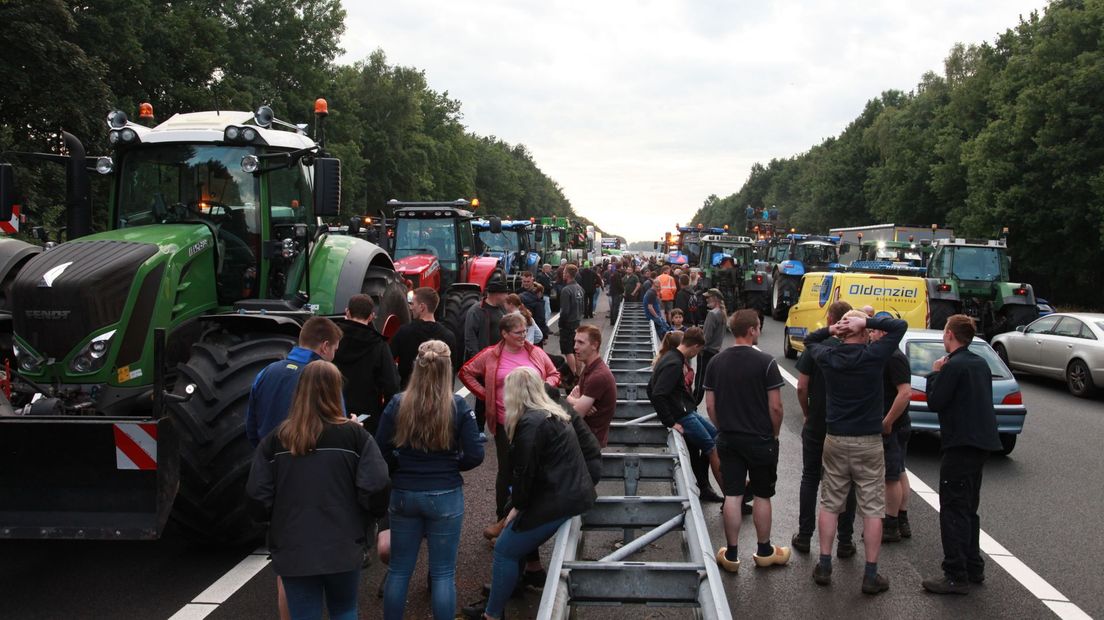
(434, 246)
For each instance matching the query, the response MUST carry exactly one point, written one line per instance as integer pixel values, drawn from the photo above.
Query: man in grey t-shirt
(714, 337)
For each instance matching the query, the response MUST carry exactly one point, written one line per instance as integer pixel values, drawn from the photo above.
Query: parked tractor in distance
(972, 277)
(214, 256)
(435, 246)
(512, 245)
(792, 256)
(728, 264)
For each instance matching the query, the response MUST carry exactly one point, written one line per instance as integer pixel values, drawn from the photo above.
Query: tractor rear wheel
(784, 288)
(457, 304)
(1012, 316)
(215, 455)
(940, 312)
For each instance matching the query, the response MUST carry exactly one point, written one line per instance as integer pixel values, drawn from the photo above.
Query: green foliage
(67, 63)
(1011, 134)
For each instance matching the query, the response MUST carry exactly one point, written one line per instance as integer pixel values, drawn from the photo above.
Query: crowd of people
(360, 441)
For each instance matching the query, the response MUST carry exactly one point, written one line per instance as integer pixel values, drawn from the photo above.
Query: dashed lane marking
(221, 590)
(1029, 579)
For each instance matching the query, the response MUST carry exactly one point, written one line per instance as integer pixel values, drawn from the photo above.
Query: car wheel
(787, 348)
(1008, 443)
(1079, 380)
(1002, 353)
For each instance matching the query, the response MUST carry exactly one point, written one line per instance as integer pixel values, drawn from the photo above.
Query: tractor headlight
(93, 356)
(28, 361)
(232, 134)
(104, 165)
(250, 163)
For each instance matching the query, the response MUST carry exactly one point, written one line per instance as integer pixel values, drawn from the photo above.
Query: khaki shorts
(850, 459)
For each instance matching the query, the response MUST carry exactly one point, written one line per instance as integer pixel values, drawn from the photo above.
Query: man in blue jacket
(270, 396)
(960, 390)
(853, 452)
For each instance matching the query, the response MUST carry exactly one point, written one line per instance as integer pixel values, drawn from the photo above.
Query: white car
(1063, 345)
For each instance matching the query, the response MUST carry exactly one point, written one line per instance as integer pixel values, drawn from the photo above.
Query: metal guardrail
(639, 449)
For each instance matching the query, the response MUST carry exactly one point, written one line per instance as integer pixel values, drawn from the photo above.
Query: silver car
(1063, 345)
(924, 346)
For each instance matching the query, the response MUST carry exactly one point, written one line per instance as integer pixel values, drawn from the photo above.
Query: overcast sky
(640, 110)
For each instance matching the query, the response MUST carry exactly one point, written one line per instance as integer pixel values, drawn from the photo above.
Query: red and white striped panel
(12, 226)
(136, 446)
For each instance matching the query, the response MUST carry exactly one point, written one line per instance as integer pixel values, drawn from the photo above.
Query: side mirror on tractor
(7, 192)
(538, 233)
(495, 225)
(327, 186)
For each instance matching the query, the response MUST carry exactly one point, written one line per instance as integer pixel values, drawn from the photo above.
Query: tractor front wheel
(388, 290)
(215, 454)
(457, 304)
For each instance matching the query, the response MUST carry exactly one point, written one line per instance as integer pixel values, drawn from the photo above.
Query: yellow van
(900, 297)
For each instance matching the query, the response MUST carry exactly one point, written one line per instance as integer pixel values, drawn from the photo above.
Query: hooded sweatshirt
(371, 378)
(405, 343)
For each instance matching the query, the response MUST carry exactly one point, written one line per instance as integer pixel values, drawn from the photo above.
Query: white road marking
(1029, 579)
(222, 589)
(225, 587)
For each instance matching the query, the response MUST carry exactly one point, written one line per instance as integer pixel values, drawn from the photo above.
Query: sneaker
(943, 585)
(745, 509)
(780, 556)
(493, 530)
(475, 610)
(845, 549)
(801, 542)
(891, 534)
(976, 578)
(732, 566)
(904, 527)
(877, 585)
(822, 576)
(534, 579)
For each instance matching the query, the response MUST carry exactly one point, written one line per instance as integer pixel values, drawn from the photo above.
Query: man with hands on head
(853, 453)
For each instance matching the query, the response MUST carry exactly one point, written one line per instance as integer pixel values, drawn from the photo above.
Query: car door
(1023, 348)
(1056, 347)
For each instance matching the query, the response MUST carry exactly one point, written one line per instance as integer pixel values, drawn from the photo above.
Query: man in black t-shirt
(896, 428)
(744, 400)
(812, 396)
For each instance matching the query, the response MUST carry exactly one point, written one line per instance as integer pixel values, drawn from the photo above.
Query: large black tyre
(1012, 316)
(388, 290)
(1008, 443)
(1002, 353)
(787, 348)
(457, 304)
(215, 454)
(940, 312)
(1079, 379)
(783, 287)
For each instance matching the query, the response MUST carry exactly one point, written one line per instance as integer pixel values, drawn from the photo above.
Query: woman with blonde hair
(428, 436)
(484, 375)
(556, 462)
(313, 478)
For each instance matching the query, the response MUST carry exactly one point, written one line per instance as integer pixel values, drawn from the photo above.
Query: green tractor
(972, 277)
(728, 264)
(135, 349)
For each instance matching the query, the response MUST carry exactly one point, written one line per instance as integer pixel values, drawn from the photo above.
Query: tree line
(1010, 134)
(67, 63)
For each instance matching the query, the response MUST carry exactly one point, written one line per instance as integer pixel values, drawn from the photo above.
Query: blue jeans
(661, 325)
(305, 594)
(698, 432)
(509, 555)
(436, 516)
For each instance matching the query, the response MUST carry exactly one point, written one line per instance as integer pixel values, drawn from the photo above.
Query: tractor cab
(899, 257)
(433, 241)
(685, 248)
(509, 241)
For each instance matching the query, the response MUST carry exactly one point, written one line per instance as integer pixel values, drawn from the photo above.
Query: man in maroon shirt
(595, 396)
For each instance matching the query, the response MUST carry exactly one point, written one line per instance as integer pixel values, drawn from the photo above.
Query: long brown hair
(515, 300)
(317, 401)
(670, 341)
(425, 412)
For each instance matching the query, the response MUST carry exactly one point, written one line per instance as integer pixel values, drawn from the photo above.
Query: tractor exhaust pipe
(78, 200)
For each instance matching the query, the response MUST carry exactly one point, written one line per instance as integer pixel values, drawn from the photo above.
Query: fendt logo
(47, 315)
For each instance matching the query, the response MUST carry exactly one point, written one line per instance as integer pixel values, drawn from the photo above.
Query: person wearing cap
(714, 337)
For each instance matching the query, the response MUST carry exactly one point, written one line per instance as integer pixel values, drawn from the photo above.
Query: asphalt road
(1042, 504)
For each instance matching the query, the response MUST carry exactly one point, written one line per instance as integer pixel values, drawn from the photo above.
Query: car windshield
(426, 236)
(979, 263)
(505, 241)
(816, 253)
(923, 353)
(186, 182)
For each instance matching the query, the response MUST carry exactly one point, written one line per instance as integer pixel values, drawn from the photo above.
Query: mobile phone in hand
(362, 417)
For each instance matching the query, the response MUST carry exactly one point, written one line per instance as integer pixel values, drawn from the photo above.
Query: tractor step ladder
(640, 449)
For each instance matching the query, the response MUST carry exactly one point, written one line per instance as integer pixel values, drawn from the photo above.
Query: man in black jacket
(371, 378)
(960, 390)
(616, 292)
(675, 406)
(422, 327)
(853, 451)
